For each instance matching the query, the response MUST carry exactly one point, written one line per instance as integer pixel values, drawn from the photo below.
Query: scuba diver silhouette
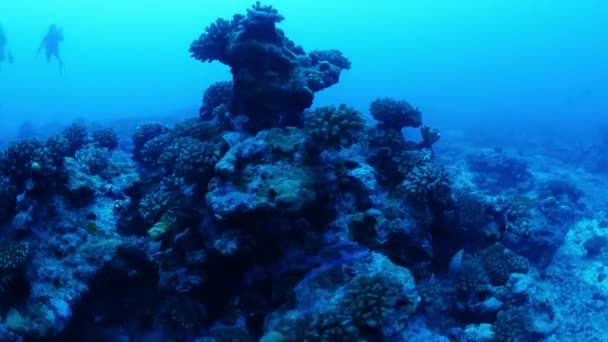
(50, 43)
(5, 55)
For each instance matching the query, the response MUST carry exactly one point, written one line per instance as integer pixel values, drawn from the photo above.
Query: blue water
(213, 225)
(461, 62)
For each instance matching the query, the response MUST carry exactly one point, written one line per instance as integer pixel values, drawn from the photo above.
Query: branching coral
(13, 254)
(334, 57)
(14, 284)
(500, 262)
(323, 327)
(196, 129)
(192, 159)
(36, 161)
(406, 161)
(95, 160)
(163, 203)
(394, 114)
(142, 135)
(76, 135)
(369, 299)
(477, 215)
(19, 158)
(189, 150)
(331, 127)
(218, 94)
(472, 210)
(372, 300)
(473, 283)
(393, 156)
(330, 65)
(428, 183)
(56, 148)
(150, 152)
(212, 44)
(105, 138)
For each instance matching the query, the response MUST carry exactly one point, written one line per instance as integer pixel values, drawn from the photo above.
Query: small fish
(455, 264)
(10, 58)
(92, 228)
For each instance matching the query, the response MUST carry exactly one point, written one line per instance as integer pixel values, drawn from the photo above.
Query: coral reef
(262, 219)
(274, 79)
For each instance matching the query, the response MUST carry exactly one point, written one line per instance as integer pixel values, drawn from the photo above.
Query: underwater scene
(285, 171)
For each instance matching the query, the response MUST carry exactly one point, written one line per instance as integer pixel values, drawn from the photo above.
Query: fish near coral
(160, 229)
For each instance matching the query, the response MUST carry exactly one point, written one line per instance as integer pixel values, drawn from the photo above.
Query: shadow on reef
(264, 219)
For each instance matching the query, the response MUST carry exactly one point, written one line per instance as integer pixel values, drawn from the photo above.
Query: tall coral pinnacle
(274, 80)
